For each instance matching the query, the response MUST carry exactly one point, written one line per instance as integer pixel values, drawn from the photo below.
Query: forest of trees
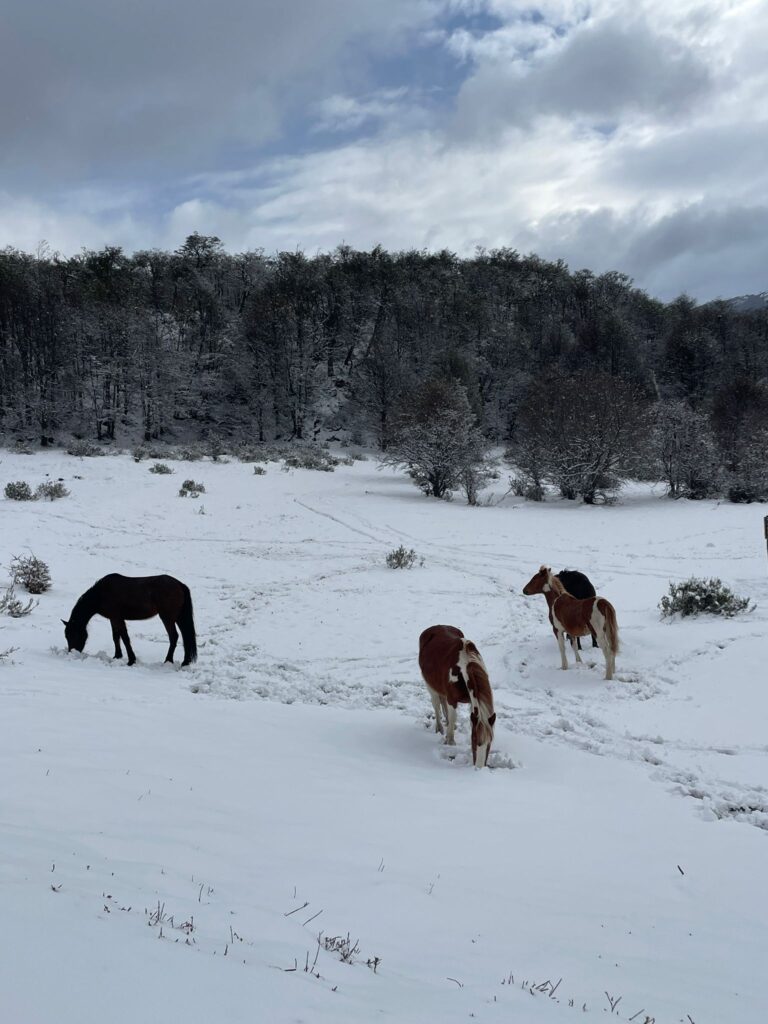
(203, 345)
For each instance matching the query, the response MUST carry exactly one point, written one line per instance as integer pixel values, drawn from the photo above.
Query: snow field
(613, 846)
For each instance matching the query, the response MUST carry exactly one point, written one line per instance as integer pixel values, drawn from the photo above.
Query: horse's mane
(558, 587)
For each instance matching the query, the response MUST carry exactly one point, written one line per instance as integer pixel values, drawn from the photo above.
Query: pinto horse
(455, 674)
(118, 598)
(577, 584)
(577, 617)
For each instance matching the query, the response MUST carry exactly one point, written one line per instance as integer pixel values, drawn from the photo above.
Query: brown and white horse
(577, 617)
(455, 674)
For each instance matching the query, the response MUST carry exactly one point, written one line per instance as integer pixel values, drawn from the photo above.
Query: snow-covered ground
(173, 842)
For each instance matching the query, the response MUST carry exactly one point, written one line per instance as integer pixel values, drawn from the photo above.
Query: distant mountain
(748, 303)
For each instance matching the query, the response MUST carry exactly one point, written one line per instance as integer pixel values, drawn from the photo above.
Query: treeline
(200, 344)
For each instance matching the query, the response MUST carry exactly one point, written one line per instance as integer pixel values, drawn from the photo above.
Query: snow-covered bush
(402, 558)
(11, 605)
(188, 453)
(527, 485)
(31, 573)
(259, 471)
(19, 490)
(191, 489)
(84, 449)
(160, 468)
(696, 596)
(311, 458)
(438, 440)
(51, 489)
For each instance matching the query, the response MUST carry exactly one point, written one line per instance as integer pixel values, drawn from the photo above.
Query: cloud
(338, 113)
(600, 72)
(121, 90)
(635, 145)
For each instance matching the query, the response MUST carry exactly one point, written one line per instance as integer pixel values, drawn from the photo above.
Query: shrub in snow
(528, 486)
(311, 458)
(402, 558)
(19, 490)
(7, 653)
(161, 468)
(259, 471)
(11, 605)
(191, 489)
(188, 453)
(695, 596)
(84, 449)
(31, 573)
(51, 489)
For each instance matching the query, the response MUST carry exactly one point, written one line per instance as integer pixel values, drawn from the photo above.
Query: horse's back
(139, 597)
(577, 584)
(439, 648)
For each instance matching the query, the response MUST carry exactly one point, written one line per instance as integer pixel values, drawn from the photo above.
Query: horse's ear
(66, 623)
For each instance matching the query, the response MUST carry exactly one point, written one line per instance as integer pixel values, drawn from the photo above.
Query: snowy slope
(159, 826)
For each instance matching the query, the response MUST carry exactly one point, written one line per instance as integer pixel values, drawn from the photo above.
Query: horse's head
(75, 636)
(540, 583)
(482, 738)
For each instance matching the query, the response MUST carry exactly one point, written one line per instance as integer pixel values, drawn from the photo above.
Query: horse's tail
(611, 625)
(186, 622)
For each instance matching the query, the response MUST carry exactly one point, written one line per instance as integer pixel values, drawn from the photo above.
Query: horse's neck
(84, 609)
(556, 587)
(480, 684)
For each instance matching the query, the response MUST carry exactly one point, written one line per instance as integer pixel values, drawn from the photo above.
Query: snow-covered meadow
(174, 842)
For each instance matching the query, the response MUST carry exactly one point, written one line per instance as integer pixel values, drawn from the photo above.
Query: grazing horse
(455, 674)
(118, 598)
(577, 584)
(575, 617)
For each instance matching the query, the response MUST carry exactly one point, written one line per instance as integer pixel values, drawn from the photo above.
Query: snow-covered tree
(437, 438)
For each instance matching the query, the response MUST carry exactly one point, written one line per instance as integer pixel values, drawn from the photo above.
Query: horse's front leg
(576, 648)
(561, 645)
(127, 642)
(116, 636)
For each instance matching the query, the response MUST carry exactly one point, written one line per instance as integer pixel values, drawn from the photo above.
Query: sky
(613, 135)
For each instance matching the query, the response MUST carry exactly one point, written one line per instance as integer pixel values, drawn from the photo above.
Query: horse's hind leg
(598, 627)
(116, 637)
(449, 736)
(173, 637)
(561, 645)
(576, 647)
(436, 704)
(127, 642)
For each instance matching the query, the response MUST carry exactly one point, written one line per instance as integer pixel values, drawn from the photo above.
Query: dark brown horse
(118, 598)
(573, 617)
(455, 674)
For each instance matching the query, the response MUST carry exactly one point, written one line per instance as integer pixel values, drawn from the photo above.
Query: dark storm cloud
(700, 250)
(601, 73)
(101, 87)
